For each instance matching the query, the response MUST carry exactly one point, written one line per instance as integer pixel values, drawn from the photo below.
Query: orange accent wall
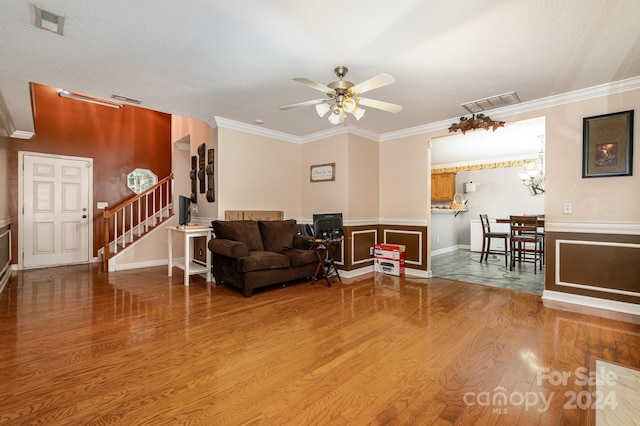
(118, 141)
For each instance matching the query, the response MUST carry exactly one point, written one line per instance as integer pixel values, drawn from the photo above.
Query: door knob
(84, 216)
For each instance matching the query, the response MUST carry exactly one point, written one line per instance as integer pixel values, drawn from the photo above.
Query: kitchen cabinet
(443, 186)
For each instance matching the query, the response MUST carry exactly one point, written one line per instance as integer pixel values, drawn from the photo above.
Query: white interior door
(56, 219)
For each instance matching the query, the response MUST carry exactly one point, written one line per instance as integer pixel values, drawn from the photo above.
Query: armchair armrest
(228, 248)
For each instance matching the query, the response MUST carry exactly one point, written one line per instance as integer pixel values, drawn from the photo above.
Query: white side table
(188, 265)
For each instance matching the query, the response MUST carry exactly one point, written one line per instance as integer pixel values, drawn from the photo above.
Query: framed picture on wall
(607, 145)
(323, 172)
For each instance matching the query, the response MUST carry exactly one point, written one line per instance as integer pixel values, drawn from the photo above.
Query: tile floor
(464, 265)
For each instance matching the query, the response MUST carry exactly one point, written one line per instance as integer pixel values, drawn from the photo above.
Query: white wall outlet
(101, 205)
(567, 208)
(194, 208)
(370, 251)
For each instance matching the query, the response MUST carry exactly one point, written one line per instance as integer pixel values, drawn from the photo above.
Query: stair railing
(134, 216)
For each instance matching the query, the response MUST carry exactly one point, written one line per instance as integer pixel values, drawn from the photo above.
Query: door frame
(21, 155)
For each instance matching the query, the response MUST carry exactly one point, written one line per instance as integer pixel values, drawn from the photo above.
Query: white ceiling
(515, 141)
(236, 59)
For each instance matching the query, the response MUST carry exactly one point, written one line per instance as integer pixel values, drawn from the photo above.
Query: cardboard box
(389, 251)
(388, 266)
(253, 215)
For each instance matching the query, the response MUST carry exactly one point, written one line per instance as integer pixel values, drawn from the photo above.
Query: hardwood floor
(78, 346)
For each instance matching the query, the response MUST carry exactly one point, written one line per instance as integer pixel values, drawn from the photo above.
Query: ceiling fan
(344, 97)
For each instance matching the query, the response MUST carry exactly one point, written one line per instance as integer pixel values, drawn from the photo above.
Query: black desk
(326, 264)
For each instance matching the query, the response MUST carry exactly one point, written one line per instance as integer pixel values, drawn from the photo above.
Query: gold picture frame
(323, 172)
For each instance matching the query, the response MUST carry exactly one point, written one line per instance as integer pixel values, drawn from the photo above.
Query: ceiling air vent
(492, 102)
(49, 21)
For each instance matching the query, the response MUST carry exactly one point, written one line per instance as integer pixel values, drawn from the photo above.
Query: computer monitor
(327, 226)
(184, 210)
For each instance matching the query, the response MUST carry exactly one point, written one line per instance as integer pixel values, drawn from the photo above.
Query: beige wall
(326, 196)
(4, 177)
(405, 180)
(600, 200)
(257, 173)
(194, 133)
(364, 178)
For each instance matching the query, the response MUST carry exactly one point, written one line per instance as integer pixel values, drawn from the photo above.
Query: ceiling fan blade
(314, 85)
(384, 106)
(373, 83)
(303, 104)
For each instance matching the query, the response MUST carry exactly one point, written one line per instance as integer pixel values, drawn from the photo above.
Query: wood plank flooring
(78, 346)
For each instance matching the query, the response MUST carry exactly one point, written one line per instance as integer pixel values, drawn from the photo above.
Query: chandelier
(339, 106)
(479, 121)
(533, 176)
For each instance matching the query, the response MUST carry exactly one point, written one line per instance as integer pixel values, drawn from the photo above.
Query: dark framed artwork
(607, 145)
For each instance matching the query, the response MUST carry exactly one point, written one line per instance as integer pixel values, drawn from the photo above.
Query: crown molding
(225, 123)
(605, 89)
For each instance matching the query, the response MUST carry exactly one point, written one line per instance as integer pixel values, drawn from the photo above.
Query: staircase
(132, 219)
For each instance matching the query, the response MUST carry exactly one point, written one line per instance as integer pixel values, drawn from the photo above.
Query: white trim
(400, 231)
(614, 228)
(353, 245)
(21, 155)
(592, 302)
(225, 123)
(445, 250)
(21, 134)
(403, 221)
(558, 282)
(137, 265)
(356, 272)
(418, 273)
(363, 221)
(606, 89)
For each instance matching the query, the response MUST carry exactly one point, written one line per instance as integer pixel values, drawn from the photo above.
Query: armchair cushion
(245, 231)
(278, 235)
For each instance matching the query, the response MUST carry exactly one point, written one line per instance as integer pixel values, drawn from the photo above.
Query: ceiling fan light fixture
(336, 116)
(349, 105)
(323, 108)
(358, 113)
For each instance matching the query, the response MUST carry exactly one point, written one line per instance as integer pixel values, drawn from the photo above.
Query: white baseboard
(448, 249)
(137, 265)
(368, 269)
(591, 302)
(356, 272)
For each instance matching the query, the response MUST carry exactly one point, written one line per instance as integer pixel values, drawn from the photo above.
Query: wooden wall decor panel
(596, 265)
(413, 238)
(362, 242)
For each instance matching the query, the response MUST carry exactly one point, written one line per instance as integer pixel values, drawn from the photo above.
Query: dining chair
(487, 236)
(526, 241)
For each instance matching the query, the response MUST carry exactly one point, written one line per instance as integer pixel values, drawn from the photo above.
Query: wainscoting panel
(414, 238)
(360, 239)
(597, 265)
